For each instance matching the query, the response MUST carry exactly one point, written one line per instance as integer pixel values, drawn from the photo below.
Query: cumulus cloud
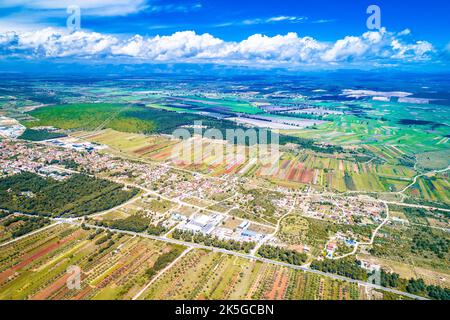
(290, 50)
(53, 43)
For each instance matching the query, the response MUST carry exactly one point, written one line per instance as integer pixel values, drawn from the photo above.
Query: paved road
(372, 238)
(247, 256)
(180, 202)
(77, 222)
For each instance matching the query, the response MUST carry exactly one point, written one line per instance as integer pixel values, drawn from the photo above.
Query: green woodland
(40, 135)
(135, 223)
(164, 260)
(21, 225)
(137, 118)
(281, 254)
(351, 268)
(213, 241)
(78, 195)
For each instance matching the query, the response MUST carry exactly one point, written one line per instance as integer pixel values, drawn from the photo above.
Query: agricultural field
(318, 170)
(203, 275)
(322, 171)
(339, 174)
(385, 125)
(114, 266)
(360, 185)
(434, 159)
(199, 104)
(433, 189)
(415, 244)
(15, 226)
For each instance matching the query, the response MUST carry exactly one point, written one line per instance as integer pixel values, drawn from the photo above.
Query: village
(225, 209)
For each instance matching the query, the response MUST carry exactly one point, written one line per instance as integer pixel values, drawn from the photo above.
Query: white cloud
(348, 48)
(290, 50)
(286, 18)
(416, 51)
(88, 7)
(277, 19)
(404, 32)
(102, 7)
(323, 21)
(175, 7)
(273, 20)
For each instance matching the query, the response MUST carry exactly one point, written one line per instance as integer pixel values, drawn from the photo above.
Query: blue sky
(414, 32)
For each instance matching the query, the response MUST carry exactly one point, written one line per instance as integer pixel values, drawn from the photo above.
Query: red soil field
(306, 176)
(52, 288)
(285, 164)
(83, 293)
(292, 174)
(145, 149)
(32, 257)
(277, 286)
(162, 155)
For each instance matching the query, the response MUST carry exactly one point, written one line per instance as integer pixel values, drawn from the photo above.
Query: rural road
(249, 257)
(422, 175)
(77, 222)
(185, 252)
(372, 238)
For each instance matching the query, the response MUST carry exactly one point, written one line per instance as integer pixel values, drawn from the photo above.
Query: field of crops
(323, 171)
(204, 275)
(117, 266)
(431, 189)
(339, 174)
(114, 268)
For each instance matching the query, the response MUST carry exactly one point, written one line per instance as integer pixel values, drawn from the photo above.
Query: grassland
(204, 104)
